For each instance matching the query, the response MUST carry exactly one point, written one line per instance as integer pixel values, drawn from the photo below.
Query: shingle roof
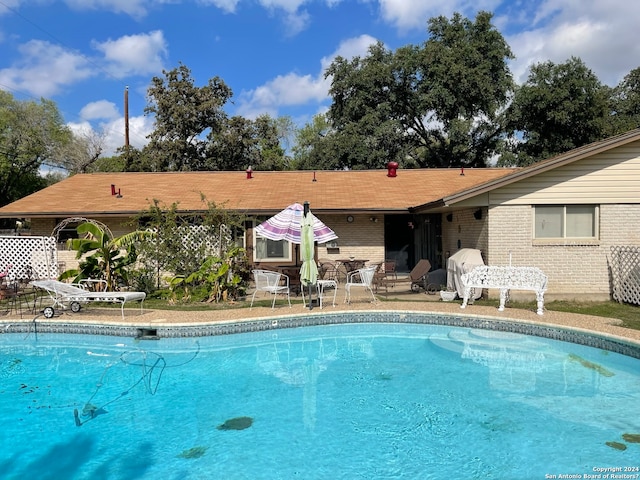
(266, 192)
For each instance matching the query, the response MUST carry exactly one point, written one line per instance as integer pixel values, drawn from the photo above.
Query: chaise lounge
(67, 295)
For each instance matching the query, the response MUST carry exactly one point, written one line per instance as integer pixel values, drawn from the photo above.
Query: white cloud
(296, 22)
(287, 5)
(349, 48)
(228, 6)
(45, 69)
(408, 15)
(112, 131)
(295, 18)
(141, 54)
(134, 8)
(282, 91)
(101, 109)
(80, 129)
(7, 6)
(293, 89)
(603, 36)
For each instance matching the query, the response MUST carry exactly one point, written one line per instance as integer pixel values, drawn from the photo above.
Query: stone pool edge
(161, 329)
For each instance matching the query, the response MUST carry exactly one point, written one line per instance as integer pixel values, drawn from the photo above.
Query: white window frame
(287, 249)
(564, 236)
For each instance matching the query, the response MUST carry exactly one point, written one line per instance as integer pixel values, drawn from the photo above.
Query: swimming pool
(355, 400)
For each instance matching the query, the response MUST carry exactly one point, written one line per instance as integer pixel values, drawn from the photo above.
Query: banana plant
(106, 258)
(216, 274)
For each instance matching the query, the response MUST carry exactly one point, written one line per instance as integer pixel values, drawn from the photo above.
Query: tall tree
(241, 143)
(307, 147)
(560, 107)
(437, 105)
(366, 132)
(625, 103)
(32, 134)
(184, 115)
(82, 152)
(463, 89)
(231, 147)
(269, 151)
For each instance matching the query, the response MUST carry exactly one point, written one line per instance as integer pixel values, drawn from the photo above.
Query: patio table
(352, 264)
(293, 272)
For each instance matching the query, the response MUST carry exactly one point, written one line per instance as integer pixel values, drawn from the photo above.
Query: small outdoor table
(352, 264)
(322, 284)
(293, 272)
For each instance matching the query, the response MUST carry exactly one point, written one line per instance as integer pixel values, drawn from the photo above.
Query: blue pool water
(365, 401)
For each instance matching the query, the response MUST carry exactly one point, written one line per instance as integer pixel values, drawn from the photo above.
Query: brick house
(563, 214)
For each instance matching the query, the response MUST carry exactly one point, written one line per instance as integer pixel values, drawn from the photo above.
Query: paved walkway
(398, 299)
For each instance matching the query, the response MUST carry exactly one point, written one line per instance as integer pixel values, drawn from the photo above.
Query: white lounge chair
(272, 283)
(67, 295)
(363, 277)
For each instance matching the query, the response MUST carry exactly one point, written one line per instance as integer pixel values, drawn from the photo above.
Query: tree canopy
(32, 135)
(184, 114)
(449, 101)
(560, 107)
(193, 131)
(435, 105)
(624, 103)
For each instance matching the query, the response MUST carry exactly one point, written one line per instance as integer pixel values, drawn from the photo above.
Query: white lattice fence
(625, 270)
(31, 258)
(195, 236)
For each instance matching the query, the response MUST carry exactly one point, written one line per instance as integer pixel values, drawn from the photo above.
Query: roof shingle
(266, 192)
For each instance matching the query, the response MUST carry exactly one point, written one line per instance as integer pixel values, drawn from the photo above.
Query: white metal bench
(505, 279)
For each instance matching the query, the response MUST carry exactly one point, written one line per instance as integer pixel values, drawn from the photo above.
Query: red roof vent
(249, 173)
(392, 169)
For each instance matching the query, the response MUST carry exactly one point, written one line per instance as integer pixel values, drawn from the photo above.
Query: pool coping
(157, 328)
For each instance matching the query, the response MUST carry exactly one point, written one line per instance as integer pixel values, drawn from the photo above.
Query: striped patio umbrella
(287, 225)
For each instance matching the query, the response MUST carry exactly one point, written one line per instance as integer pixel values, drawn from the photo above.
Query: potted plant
(447, 294)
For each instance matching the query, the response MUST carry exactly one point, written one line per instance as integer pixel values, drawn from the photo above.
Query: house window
(271, 250)
(566, 221)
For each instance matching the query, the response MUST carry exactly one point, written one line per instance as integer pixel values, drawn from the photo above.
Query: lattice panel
(32, 258)
(195, 236)
(625, 270)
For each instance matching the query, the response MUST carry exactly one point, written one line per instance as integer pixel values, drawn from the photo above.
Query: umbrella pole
(305, 211)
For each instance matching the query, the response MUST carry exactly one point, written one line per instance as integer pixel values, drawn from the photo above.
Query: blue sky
(82, 54)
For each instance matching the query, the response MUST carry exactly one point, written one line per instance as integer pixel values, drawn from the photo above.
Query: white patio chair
(362, 277)
(272, 283)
